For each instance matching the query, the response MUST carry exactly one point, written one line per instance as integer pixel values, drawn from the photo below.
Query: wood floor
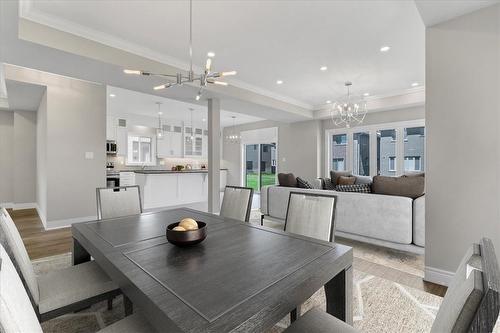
(40, 243)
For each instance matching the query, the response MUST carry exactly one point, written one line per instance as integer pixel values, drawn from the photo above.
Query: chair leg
(294, 314)
(129, 306)
(262, 219)
(110, 304)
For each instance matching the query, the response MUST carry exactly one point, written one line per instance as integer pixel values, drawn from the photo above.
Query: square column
(213, 155)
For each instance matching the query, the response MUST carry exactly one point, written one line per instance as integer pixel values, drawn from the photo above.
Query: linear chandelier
(346, 112)
(207, 77)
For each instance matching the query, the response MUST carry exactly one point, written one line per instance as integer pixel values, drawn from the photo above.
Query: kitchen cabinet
(121, 141)
(193, 142)
(110, 128)
(127, 178)
(171, 144)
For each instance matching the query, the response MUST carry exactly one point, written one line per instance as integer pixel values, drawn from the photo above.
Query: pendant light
(159, 130)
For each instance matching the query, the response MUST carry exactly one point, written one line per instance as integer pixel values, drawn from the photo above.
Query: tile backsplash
(161, 163)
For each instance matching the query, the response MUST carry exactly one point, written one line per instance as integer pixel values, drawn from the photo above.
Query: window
(412, 163)
(338, 164)
(414, 144)
(386, 152)
(339, 152)
(139, 150)
(361, 154)
(389, 149)
(392, 163)
(260, 160)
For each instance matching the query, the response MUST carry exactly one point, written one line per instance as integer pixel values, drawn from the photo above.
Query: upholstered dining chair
(118, 201)
(62, 291)
(311, 215)
(471, 303)
(18, 315)
(237, 203)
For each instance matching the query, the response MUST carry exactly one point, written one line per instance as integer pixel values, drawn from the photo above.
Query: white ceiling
(265, 40)
(131, 102)
(24, 96)
(437, 11)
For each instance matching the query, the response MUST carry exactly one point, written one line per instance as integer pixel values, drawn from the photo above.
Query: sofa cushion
(302, 183)
(363, 180)
(287, 180)
(346, 180)
(360, 188)
(411, 187)
(334, 176)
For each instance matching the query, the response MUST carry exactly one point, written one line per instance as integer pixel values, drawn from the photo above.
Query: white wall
(17, 158)
(6, 147)
(463, 142)
(75, 123)
(24, 152)
(41, 159)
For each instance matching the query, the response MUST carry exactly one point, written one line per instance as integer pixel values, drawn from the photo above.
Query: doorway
(260, 165)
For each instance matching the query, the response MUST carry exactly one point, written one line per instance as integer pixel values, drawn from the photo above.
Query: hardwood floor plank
(39, 242)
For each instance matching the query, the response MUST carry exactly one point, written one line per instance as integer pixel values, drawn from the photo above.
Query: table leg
(129, 306)
(80, 255)
(339, 296)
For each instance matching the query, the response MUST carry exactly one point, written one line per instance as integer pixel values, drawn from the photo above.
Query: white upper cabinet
(121, 137)
(110, 128)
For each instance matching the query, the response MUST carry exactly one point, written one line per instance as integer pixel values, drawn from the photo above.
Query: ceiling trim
(28, 12)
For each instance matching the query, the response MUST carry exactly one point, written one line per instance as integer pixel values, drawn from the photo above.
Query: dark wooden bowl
(186, 238)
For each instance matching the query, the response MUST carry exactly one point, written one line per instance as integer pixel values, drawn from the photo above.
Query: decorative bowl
(186, 238)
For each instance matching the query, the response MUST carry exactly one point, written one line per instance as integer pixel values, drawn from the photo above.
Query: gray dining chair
(311, 215)
(118, 201)
(18, 315)
(61, 291)
(471, 303)
(237, 203)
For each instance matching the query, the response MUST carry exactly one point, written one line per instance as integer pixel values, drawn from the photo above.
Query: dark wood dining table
(242, 277)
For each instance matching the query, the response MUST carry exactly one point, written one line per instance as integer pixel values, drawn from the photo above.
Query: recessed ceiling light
(160, 113)
(323, 68)
(385, 48)
(414, 84)
(366, 94)
(279, 82)
(203, 119)
(328, 102)
(112, 95)
(210, 54)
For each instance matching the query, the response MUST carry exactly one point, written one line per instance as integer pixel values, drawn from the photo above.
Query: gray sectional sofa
(391, 221)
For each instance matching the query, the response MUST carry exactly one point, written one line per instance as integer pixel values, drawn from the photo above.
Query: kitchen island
(167, 188)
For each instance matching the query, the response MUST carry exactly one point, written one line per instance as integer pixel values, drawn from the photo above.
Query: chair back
(16, 312)
(311, 215)
(118, 201)
(472, 301)
(19, 253)
(237, 203)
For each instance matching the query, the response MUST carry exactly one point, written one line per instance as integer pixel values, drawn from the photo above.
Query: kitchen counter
(149, 172)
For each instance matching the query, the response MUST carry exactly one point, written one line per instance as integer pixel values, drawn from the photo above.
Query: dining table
(241, 278)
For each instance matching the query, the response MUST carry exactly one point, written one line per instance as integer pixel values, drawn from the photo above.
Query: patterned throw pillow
(327, 184)
(302, 183)
(360, 188)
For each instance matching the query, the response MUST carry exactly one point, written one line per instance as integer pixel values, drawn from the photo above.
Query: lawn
(253, 180)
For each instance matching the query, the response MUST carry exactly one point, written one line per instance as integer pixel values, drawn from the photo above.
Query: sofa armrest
(264, 195)
(419, 221)
(318, 183)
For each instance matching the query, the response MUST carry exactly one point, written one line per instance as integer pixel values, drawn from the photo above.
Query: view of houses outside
(387, 154)
(260, 165)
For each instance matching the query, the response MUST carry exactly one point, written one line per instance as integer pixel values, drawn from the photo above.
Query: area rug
(379, 305)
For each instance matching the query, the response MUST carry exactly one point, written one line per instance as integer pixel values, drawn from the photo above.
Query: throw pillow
(302, 183)
(363, 180)
(328, 185)
(411, 187)
(346, 180)
(360, 188)
(287, 180)
(334, 176)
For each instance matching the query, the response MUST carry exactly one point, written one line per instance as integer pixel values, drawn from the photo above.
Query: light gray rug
(379, 305)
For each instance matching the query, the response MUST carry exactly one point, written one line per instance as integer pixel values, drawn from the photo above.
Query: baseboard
(438, 276)
(27, 205)
(64, 223)
(6, 205)
(42, 216)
